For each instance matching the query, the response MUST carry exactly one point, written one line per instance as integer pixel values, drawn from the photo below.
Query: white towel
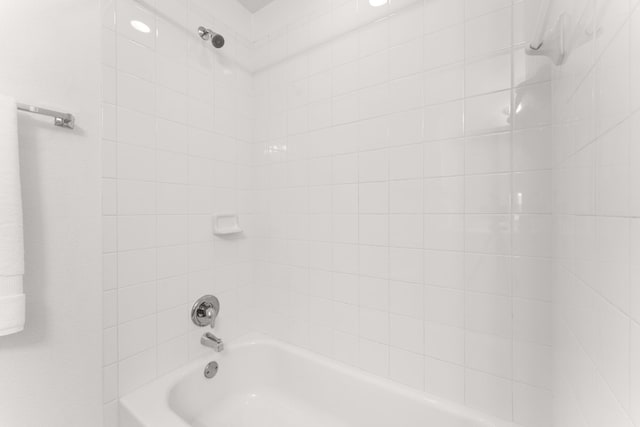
(12, 299)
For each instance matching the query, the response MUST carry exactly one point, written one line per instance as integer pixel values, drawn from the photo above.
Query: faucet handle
(205, 310)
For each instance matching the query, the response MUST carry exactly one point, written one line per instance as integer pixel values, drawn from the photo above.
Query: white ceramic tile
(488, 273)
(376, 69)
(444, 232)
(489, 234)
(444, 379)
(444, 343)
(109, 234)
(444, 158)
(488, 75)
(444, 195)
(109, 346)
(136, 371)
(488, 113)
(488, 193)
(444, 306)
(136, 163)
(406, 197)
(134, 301)
(172, 323)
(135, 58)
(405, 93)
(373, 166)
(171, 105)
(374, 357)
(406, 333)
(109, 122)
(406, 231)
(373, 198)
(488, 33)
(404, 128)
(136, 197)
(406, 367)
(439, 14)
(490, 314)
(109, 308)
(109, 271)
(374, 293)
(406, 265)
(473, 8)
(489, 393)
(444, 84)
(406, 299)
(531, 405)
(136, 23)
(136, 128)
(109, 383)
(135, 93)
(172, 355)
(406, 24)
(136, 336)
(489, 353)
(172, 291)
(109, 197)
(406, 162)
(374, 325)
(136, 267)
(444, 121)
(444, 47)
(488, 153)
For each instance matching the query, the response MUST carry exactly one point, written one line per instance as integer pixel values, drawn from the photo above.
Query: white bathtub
(266, 383)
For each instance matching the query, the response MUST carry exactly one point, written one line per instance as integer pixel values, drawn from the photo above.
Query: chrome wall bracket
(64, 120)
(554, 44)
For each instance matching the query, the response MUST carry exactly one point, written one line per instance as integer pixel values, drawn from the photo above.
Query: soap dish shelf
(226, 224)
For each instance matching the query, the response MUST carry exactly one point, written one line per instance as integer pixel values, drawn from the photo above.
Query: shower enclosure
(429, 202)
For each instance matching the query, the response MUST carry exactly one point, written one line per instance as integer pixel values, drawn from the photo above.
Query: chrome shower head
(216, 39)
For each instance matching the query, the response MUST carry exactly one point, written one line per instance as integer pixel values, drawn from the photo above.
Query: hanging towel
(12, 299)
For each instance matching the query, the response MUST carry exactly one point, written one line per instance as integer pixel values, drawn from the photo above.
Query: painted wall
(596, 206)
(50, 372)
(176, 132)
(403, 213)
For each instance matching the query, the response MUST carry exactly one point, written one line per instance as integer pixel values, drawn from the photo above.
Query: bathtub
(266, 383)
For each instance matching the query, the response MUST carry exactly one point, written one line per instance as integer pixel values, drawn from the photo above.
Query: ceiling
(254, 5)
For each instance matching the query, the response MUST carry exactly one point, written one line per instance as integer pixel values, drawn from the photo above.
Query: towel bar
(65, 120)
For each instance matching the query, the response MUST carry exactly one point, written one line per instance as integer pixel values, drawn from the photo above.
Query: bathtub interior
(267, 384)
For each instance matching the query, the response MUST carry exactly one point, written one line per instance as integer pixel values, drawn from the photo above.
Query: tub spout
(212, 341)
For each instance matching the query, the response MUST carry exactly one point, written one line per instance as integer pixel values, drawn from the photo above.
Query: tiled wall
(176, 127)
(402, 212)
(597, 204)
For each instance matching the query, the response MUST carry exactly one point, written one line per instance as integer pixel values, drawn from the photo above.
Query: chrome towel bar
(65, 120)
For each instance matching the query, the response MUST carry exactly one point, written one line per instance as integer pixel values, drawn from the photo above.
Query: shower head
(216, 39)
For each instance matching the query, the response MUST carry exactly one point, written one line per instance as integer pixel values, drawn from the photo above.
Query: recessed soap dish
(225, 224)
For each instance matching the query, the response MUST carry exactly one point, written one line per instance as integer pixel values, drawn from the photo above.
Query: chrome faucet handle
(205, 311)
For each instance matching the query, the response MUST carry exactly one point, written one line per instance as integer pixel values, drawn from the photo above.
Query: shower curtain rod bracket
(553, 45)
